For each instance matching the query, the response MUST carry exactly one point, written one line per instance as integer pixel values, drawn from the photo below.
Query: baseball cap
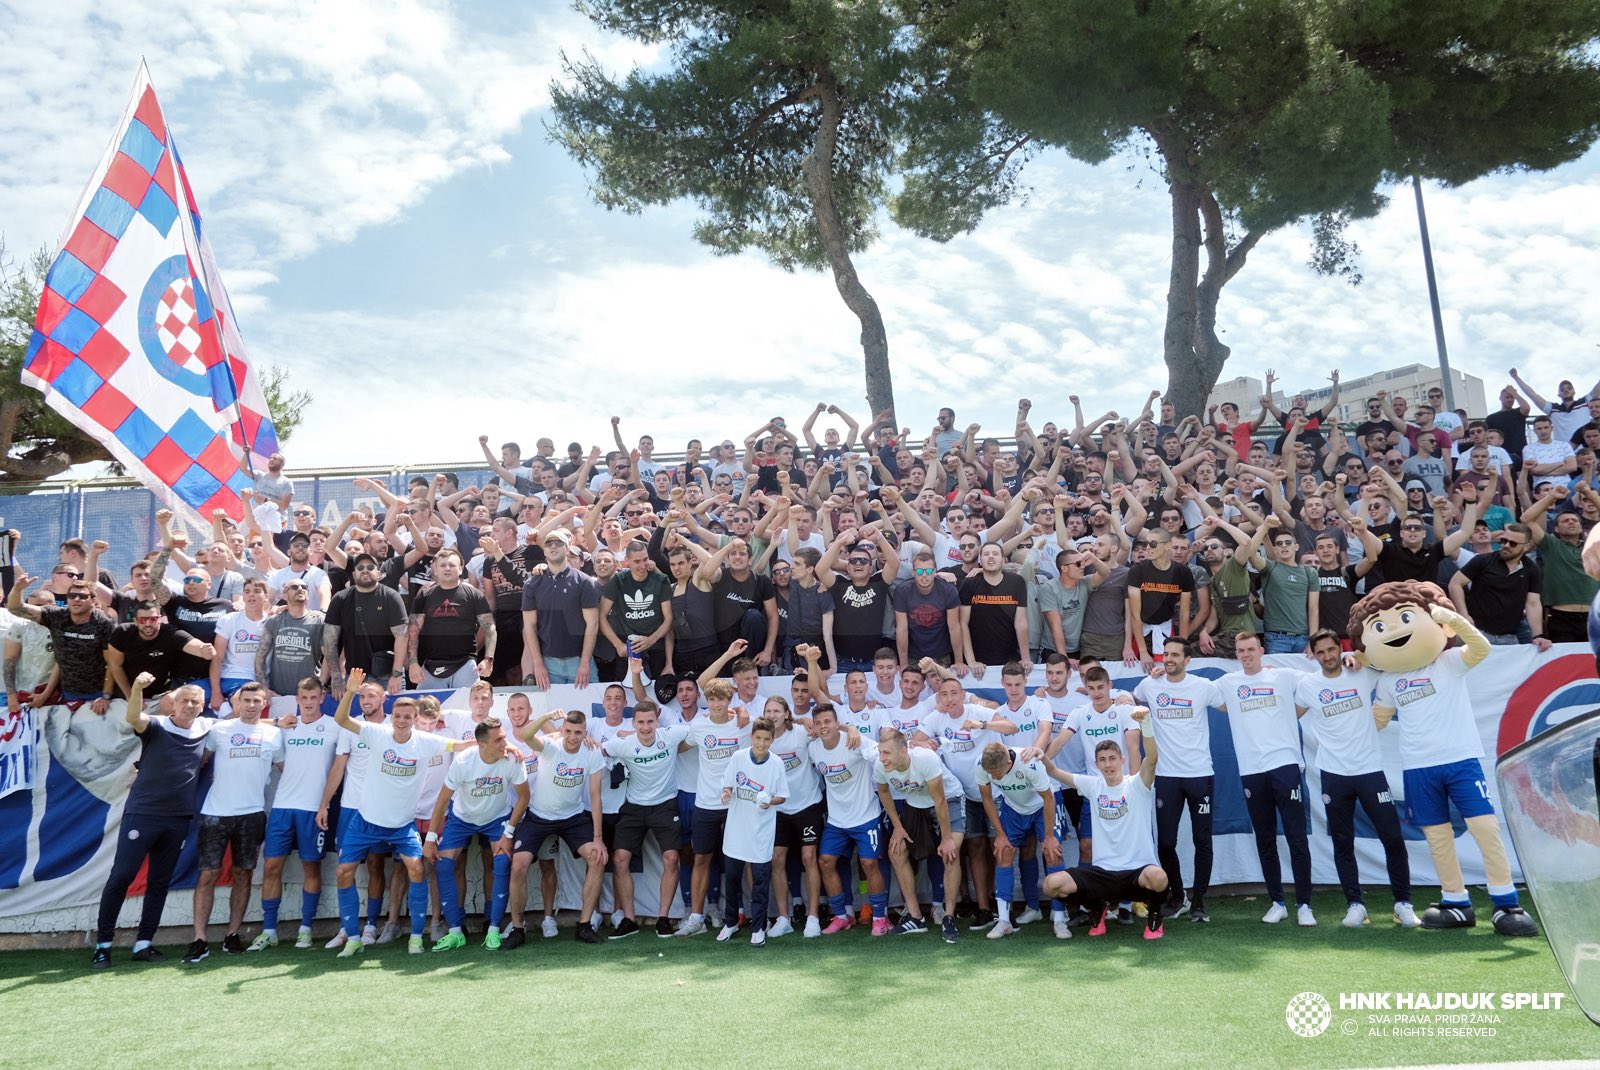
(299, 536)
(355, 561)
(560, 534)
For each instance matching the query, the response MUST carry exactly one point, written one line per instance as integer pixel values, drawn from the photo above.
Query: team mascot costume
(1409, 631)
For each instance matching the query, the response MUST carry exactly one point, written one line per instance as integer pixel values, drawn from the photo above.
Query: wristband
(432, 837)
(511, 830)
(1147, 727)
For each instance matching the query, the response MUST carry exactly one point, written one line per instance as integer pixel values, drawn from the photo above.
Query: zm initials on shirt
(1341, 701)
(1256, 698)
(396, 764)
(1412, 689)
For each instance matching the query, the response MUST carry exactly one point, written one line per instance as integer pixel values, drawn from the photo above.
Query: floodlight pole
(1433, 296)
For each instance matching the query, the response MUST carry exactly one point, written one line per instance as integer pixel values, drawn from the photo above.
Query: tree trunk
(817, 170)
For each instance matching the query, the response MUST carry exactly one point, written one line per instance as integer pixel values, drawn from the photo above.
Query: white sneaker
(303, 939)
(1355, 917)
(728, 933)
(1031, 914)
(414, 945)
(1063, 932)
(390, 933)
(758, 937)
(781, 927)
(549, 927)
(714, 915)
(1275, 914)
(1307, 919)
(692, 925)
(938, 914)
(369, 935)
(1001, 929)
(337, 942)
(1405, 916)
(813, 927)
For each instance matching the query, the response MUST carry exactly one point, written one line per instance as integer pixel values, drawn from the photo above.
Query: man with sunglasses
(151, 644)
(291, 643)
(365, 628)
(79, 634)
(927, 615)
(1499, 592)
(195, 612)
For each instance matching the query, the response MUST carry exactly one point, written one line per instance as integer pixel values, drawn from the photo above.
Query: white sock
(1058, 915)
(494, 928)
(269, 932)
(138, 945)
(456, 929)
(1002, 910)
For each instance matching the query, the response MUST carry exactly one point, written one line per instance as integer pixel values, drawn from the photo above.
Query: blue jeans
(564, 670)
(854, 665)
(1502, 640)
(1285, 643)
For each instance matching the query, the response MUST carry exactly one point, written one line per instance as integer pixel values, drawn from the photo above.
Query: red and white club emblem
(178, 325)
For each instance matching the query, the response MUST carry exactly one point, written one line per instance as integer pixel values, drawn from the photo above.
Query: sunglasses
(304, 512)
(76, 595)
(194, 579)
(922, 571)
(368, 567)
(148, 620)
(74, 573)
(861, 560)
(295, 587)
(1412, 527)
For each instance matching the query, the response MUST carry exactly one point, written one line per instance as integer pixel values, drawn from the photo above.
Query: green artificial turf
(1206, 996)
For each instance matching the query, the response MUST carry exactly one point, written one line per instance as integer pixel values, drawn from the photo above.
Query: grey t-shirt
(1107, 609)
(1072, 603)
(296, 645)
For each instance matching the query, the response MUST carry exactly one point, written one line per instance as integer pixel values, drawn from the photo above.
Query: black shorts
(1069, 810)
(803, 828)
(708, 827)
(574, 831)
(1098, 885)
(922, 828)
(608, 831)
(634, 821)
(244, 833)
(978, 826)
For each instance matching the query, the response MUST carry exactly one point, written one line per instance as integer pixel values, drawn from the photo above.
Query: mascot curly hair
(1409, 631)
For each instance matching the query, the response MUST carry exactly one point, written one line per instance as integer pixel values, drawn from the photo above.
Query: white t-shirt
(1124, 819)
(1019, 787)
(805, 790)
(864, 720)
(688, 760)
(652, 770)
(432, 783)
(1070, 758)
(611, 798)
(308, 751)
(905, 721)
(716, 744)
(482, 791)
(847, 779)
(1262, 717)
(1093, 726)
(961, 747)
(1434, 712)
(912, 782)
(355, 770)
(749, 832)
(1553, 452)
(1028, 717)
(1182, 722)
(242, 757)
(243, 636)
(1339, 714)
(396, 773)
(561, 784)
(313, 576)
(814, 540)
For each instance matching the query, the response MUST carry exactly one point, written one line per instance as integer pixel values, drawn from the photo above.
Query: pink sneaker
(881, 927)
(1099, 926)
(839, 924)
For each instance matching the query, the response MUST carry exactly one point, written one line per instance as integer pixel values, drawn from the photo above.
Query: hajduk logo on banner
(135, 341)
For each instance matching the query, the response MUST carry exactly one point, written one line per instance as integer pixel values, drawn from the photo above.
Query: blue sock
(269, 913)
(1505, 898)
(1005, 879)
(418, 901)
(686, 884)
(502, 890)
(350, 912)
(839, 904)
(880, 904)
(449, 901)
(1030, 881)
(1455, 898)
(936, 877)
(308, 907)
(374, 912)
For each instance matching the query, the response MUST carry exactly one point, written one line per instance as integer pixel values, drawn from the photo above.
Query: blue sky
(397, 231)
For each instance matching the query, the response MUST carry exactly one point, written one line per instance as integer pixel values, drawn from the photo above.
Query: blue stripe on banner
(75, 330)
(16, 814)
(159, 209)
(109, 212)
(140, 144)
(69, 277)
(223, 393)
(139, 433)
(196, 486)
(191, 433)
(73, 828)
(77, 383)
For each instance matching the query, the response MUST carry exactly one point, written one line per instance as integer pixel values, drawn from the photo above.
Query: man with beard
(560, 619)
(320, 590)
(79, 634)
(290, 643)
(1567, 591)
(505, 567)
(366, 628)
(636, 610)
(1499, 592)
(927, 614)
(152, 645)
(446, 617)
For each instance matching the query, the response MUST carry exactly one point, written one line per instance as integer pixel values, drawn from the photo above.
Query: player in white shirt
(1179, 706)
(430, 719)
(753, 782)
(238, 636)
(234, 814)
(716, 738)
(883, 688)
(1033, 720)
(309, 746)
(464, 726)
(613, 786)
(1339, 700)
(1062, 693)
(1125, 864)
(1266, 739)
(349, 769)
(484, 794)
(800, 819)
(1024, 811)
(650, 755)
(569, 772)
(386, 813)
(844, 760)
(929, 820)
(519, 715)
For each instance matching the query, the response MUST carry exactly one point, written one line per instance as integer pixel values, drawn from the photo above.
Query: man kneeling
(1126, 866)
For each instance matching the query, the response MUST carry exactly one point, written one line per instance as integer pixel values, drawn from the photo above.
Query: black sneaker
(628, 928)
(148, 954)
(950, 930)
(197, 951)
(1124, 916)
(1081, 919)
(232, 944)
(585, 934)
(966, 910)
(512, 939)
(664, 928)
(981, 919)
(1197, 913)
(910, 925)
(101, 959)
(1514, 921)
(1449, 916)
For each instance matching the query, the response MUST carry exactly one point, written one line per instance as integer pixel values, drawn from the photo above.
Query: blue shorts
(230, 684)
(708, 828)
(978, 826)
(458, 833)
(345, 814)
(836, 841)
(1431, 789)
(685, 820)
(1017, 826)
(360, 839)
(291, 829)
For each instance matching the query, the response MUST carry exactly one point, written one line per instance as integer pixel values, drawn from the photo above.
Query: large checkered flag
(135, 341)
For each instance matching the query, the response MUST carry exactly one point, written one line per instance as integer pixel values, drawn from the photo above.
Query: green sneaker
(351, 949)
(265, 940)
(415, 946)
(303, 940)
(451, 942)
(491, 940)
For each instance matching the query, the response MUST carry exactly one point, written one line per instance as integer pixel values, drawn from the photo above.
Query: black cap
(666, 688)
(299, 536)
(356, 561)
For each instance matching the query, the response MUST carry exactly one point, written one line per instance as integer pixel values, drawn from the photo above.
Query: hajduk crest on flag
(135, 341)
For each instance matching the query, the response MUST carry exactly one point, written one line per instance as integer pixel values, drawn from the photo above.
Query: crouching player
(478, 804)
(1125, 862)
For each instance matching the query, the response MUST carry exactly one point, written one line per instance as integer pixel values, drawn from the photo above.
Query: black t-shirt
(158, 657)
(1365, 429)
(79, 648)
(858, 616)
(638, 607)
(1337, 593)
(1513, 427)
(1398, 563)
(1497, 598)
(1159, 590)
(199, 619)
(365, 621)
(993, 620)
(732, 597)
(449, 630)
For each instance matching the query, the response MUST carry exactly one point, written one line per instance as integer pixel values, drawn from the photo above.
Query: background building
(1410, 381)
